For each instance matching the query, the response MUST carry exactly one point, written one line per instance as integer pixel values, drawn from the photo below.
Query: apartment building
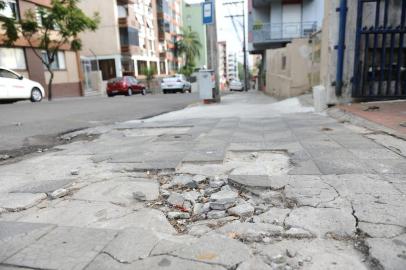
(232, 67)
(192, 18)
(169, 15)
(222, 64)
(126, 41)
(21, 58)
(279, 31)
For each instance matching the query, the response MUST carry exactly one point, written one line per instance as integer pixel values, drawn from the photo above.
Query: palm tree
(188, 44)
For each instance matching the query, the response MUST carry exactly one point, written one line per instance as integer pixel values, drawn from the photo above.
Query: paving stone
(224, 195)
(119, 191)
(274, 216)
(178, 215)
(255, 263)
(20, 201)
(15, 236)
(331, 165)
(323, 221)
(199, 178)
(184, 180)
(42, 186)
(216, 214)
(216, 250)
(307, 167)
(242, 210)
(251, 232)
(387, 166)
(259, 181)
(375, 153)
(63, 248)
(391, 253)
(176, 199)
(98, 215)
(381, 230)
(132, 244)
(169, 244)
(316, 254)
(198, 230)
(311, 192)
(104, 262)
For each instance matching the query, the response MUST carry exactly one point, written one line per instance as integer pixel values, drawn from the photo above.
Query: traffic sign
(208, 12)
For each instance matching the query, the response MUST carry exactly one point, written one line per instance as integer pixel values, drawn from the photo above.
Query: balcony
(281, 32)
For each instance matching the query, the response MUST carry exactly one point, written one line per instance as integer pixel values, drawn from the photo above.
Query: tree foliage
(149, 75)
(58, 28)
(188, 45)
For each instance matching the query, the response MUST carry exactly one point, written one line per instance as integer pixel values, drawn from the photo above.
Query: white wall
(313, 10)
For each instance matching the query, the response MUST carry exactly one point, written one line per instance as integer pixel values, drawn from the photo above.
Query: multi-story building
(222, 63)
(169, 15)
(232, 67)
(21, 58)
(192, 18)
(126, 41)
(279, 31)
(274, 23)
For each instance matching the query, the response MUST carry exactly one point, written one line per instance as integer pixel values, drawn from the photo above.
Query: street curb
(342, 115)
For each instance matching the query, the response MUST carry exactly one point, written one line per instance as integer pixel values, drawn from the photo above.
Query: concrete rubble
(292, 191)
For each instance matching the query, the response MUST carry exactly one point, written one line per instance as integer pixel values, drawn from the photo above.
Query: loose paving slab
(323, 222)
(132, 244)
(216, 250)
(14, 236)
(42, 186)
(20, 201)
(314, 254)
(120, 192)
(105, 262)
(63, 248)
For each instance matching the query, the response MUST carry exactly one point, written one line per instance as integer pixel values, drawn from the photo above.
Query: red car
(126, 85)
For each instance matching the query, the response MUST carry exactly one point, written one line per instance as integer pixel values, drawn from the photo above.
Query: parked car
(126, 85)
(236, 86)
(176, 83)
(14, 86)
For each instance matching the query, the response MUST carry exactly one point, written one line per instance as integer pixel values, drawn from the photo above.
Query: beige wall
(292, 79)
(70, 75)
(105, 40)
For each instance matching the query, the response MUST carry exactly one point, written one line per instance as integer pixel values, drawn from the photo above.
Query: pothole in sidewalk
(269, 163)
(154, 131)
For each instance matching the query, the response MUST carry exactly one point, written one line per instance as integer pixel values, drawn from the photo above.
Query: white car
(236, 86)
(176, 83)
(13, 86)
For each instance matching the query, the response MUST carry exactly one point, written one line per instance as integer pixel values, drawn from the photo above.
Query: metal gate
(380, 55)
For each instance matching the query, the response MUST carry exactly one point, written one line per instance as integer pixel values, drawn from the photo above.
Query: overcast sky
(225, 29)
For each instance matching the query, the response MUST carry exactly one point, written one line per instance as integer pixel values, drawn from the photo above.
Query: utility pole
(244, 46)
(212, 54)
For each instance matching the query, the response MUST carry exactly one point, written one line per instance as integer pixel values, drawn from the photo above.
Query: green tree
(188, 45)
(149, 75)
(59, 28)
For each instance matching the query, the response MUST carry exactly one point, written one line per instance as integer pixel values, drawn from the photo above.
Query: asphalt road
(28, 125)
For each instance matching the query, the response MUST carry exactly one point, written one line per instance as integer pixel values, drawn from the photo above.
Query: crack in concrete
(361, 245)
(193, 260)
(115, 258)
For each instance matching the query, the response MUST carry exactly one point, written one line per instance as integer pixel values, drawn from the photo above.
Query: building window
(10, 10)
(12, 58)
(129, 36)
(283, 62)
(108, 69)
(153, 65)
(141, 66)
(59, 61)
(162, 67)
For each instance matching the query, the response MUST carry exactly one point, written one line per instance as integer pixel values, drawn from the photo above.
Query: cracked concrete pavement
(272, 189)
